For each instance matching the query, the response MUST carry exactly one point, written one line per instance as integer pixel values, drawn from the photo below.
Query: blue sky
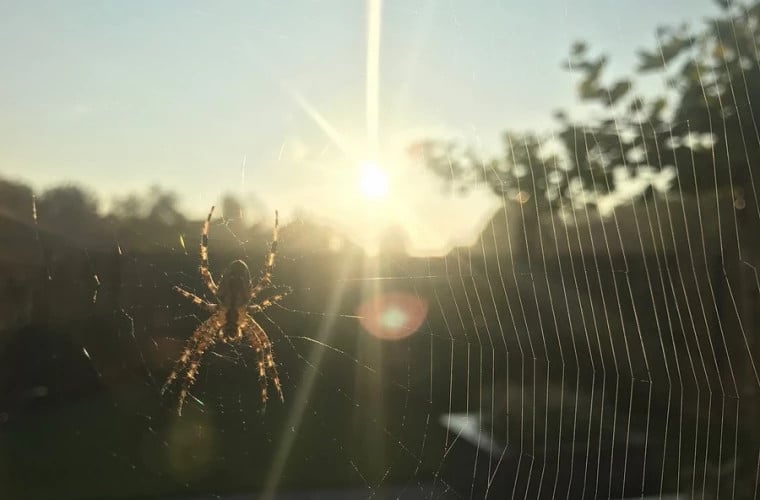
(200, 97)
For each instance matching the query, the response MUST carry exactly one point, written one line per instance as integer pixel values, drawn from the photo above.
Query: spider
(230, 319)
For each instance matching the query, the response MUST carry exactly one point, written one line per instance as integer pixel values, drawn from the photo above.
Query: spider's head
(235, 286)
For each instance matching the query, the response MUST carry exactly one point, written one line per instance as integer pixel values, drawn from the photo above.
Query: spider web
(576, 357)
(563, 355)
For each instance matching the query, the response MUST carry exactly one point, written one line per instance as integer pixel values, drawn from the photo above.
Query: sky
(269, 100)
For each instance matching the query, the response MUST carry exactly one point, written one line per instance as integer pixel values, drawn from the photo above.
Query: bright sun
(373, 180)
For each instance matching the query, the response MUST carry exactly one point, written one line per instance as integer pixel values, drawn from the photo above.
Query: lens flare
(393, 315)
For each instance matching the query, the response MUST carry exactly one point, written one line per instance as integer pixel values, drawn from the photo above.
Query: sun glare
(373, 181)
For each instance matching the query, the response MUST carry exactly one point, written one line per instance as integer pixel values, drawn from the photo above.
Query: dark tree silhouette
(128, 207)
(62, 204)
(232, 208)
(703, 125)
(69, 212)
(163, 207)
(15, 201)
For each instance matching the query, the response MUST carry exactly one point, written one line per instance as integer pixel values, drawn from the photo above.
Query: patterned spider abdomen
(234, 295)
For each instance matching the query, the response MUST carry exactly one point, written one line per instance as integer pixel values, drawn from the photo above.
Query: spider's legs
(266, 279)
(267, 366)
(262, 375)
(272, 367)
(201, 340)
(193, 371)
(196, 300)
(205, 272)
(256, 343)
(190, 348)
(256, 308)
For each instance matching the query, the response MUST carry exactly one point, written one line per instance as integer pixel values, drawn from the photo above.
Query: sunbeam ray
(374, 17)
(301, 398)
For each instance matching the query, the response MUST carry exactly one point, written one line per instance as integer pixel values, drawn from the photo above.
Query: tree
(527, 166)
(157, 206)
(163, 207)
(704, 124)
(232, 208)
(16, 201)
(128, 207)
(69, 211)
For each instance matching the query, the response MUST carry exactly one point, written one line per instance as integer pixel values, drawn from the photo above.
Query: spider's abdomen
(235, 286)
(233, 323)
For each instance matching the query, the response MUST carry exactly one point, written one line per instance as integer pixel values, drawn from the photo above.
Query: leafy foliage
(528, 165)
(703, 124)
